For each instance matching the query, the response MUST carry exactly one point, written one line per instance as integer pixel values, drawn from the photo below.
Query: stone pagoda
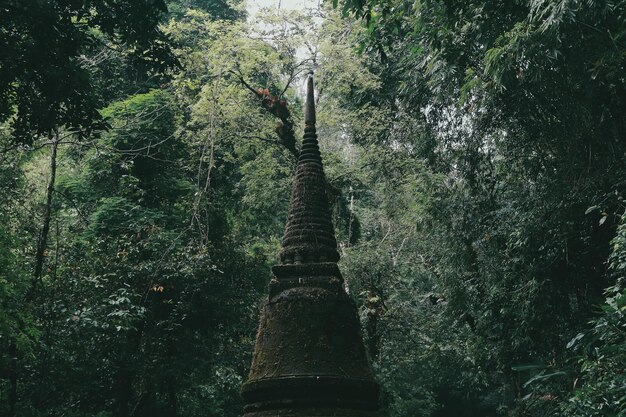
(309, 359)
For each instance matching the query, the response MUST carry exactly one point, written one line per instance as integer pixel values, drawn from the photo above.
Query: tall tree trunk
(45, 226)
(171, 397)
(124, 386)
(127, 374)
(39, 258)
(12, 378)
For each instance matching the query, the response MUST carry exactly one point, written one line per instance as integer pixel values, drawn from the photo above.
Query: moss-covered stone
(309, 358)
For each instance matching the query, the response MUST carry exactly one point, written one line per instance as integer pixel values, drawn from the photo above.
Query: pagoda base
(309, 359)
(314, 412)
(311, 396)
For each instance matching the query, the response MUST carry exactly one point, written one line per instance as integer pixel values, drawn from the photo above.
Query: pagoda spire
(309, 359)
(309, 234)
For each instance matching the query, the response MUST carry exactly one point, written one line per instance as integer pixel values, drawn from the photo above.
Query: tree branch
(278, 108)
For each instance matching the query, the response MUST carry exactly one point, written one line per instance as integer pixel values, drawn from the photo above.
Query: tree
(474, 156)
(44, 79)
(519, 108)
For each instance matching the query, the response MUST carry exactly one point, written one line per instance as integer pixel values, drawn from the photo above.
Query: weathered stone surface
(309, 359)
(309, 234)
(313, 412)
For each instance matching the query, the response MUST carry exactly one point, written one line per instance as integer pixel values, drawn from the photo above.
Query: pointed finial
(309, 108)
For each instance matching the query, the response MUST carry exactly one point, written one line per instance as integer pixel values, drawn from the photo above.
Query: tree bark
(39, 258)
(171, 397)
(124, 385)
(45, 227)
(276, 106)
(12, 379)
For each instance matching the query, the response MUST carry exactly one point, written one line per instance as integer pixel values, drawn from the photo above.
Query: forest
(475, 154)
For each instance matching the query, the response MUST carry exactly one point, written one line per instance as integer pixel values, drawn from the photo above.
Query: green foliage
(517, 108)
(474, 152)
(601, 385)
(163, 228)
(45, 80)
(217, 9)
